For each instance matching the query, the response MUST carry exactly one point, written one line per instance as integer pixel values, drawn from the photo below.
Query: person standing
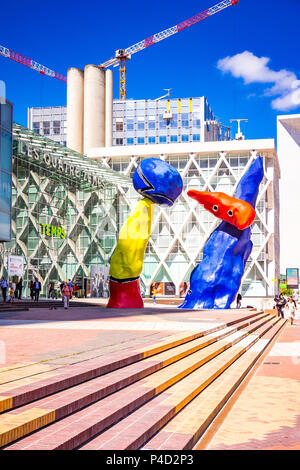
(51, 290)
(280, 303)
(238, 301)
(32, 292)
(290, 308)
(14, 288)
(70, 285)
(37, 288)
(19, 289)
(67, 294)
(75, 290)
(11, 293)
(4, 286)
(154, 293)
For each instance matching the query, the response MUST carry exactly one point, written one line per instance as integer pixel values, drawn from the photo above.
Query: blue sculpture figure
(215, 282)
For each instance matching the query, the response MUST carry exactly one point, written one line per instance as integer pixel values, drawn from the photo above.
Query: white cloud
(253, 69)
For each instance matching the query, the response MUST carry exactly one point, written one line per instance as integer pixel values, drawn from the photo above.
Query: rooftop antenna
(239, 135)
(164, 96)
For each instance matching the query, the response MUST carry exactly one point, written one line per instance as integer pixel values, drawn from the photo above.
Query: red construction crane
(122, 55)
(30, 63)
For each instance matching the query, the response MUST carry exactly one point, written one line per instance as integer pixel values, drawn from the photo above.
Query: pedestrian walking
(67, 294)
(4, 286)
(280, 303)
(238, 301)
(37, 289)
(19, 289)
(290, 309)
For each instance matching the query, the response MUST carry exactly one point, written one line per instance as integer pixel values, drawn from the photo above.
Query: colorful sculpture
(161, 184)
(235, 211)
(215, 281)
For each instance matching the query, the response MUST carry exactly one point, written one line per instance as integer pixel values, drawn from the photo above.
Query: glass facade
(5, 169)
(65, 220)
(165, 121)
(140, 122)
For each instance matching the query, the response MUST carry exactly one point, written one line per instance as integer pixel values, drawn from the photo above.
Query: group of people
(286, 307)
(35, 289)
(65, 288)
(11, 289)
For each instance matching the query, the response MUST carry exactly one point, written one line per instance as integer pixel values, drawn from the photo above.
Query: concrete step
(136, 429)
(184, 431)
(69, 376)
(105, 400)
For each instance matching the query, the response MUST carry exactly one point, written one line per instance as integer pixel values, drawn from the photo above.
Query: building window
(119, 126)
(130, 125)
(163, 139)
(46, 127)
(173, 138)
(36, 127)
(140, 125)
(151, 125)
(196, 137)
(196, 122)
(119, 141)
(185, 120)
(56, 127)
(184, 138)
(141, 140)
(130, 141)
(162, 122)
(151, 140)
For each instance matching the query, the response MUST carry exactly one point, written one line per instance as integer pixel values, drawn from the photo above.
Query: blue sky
(224, 57)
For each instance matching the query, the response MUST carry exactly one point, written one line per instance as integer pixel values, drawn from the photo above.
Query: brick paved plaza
(157, 378)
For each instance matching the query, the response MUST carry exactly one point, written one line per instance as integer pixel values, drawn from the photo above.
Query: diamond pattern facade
(44, 196)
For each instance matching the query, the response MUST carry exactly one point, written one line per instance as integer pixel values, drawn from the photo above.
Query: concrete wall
(89, 108)
(108, 108)
(75, 109)
(94, 108)
(288, 149)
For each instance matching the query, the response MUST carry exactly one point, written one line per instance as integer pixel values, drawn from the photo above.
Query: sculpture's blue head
(158, 181)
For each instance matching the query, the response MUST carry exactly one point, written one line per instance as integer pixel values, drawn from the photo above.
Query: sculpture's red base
(125, 294)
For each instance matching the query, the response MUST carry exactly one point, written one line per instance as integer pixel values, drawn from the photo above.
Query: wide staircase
(161, 396)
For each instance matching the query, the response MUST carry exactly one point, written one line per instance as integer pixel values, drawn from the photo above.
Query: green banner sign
(53, 231)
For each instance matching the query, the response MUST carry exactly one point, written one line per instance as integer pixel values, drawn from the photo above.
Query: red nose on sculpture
(235, 211)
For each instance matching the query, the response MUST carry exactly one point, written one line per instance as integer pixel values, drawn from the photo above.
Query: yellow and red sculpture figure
(161, 184)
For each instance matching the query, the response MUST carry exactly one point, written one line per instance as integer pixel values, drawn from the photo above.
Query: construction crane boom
(30, 63)
(122, 55)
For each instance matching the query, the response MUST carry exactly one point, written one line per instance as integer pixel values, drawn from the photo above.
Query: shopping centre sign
(58, 162)
(53, 231)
